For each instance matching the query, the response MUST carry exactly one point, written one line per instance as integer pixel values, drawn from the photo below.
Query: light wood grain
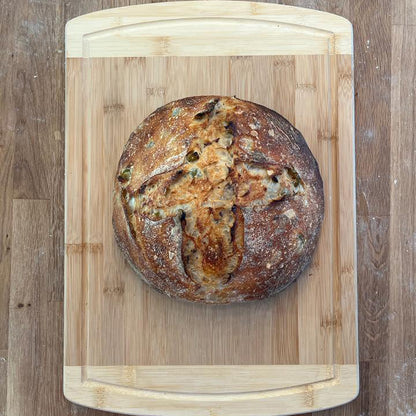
(204, 379)
(187, 37)
(381, 346)
(248, 18)
(120, 292)
(147, 402)
(119, 321)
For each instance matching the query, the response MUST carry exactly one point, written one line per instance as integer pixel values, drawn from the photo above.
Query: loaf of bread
(217, 200)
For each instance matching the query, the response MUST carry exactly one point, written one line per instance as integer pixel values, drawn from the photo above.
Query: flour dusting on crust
(217, 200)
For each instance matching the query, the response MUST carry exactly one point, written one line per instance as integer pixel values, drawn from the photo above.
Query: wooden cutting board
(132, 350)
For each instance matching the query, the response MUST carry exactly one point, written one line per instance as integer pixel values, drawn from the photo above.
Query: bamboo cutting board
(132, 350)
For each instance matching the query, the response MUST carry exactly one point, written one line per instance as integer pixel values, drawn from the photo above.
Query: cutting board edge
(341, 389)
(339, 27)
(98, 393)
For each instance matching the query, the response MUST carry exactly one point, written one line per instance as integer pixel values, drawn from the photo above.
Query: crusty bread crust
(217, 200)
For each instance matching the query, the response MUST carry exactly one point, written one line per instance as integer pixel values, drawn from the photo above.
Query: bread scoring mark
(207, 192)
(266, 240)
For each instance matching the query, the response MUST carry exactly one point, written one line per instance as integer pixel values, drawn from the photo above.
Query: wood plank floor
(31, 202)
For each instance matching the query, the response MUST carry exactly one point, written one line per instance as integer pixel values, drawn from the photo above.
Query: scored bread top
(217, 200)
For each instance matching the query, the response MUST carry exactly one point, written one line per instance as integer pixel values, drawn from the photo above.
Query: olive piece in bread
(217, 200)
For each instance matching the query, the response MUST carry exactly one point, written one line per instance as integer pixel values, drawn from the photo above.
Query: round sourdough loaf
(217, 200)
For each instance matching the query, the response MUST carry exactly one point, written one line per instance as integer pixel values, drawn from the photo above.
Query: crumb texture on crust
(217, 200)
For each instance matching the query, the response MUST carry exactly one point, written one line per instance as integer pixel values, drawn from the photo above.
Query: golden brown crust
(217, 200)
